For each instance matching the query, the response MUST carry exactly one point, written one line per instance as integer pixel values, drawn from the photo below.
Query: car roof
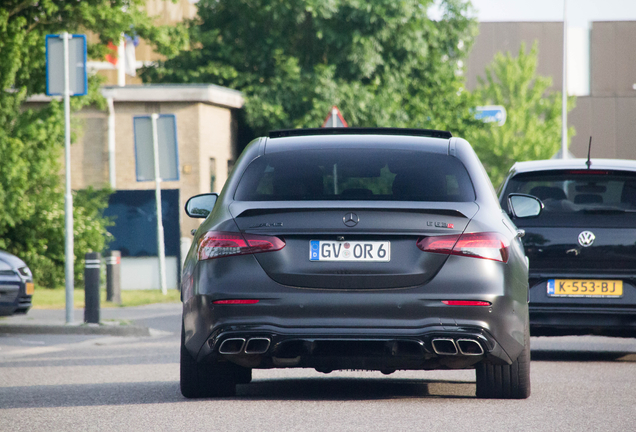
(564, 164)
(363, 138)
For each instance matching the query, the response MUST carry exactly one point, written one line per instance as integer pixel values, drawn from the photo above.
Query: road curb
(83, 329)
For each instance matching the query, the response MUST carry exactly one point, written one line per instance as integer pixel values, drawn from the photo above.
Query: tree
(32, 141)
(384, 63)
(533, 125)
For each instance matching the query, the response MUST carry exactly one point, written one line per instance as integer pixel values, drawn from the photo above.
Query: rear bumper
(556, 316)
(580, 320)
(326, 349)
(357, 329)
(354, 332)
(10, 295)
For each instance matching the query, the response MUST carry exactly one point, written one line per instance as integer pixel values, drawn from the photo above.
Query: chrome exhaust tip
(444, 346)
(232, 346)
(257, 346)
(469, 347)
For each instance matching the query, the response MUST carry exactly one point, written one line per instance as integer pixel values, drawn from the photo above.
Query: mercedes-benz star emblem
(351, 219)
(586, 238)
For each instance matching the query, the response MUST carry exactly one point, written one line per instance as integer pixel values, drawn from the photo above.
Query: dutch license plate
(30, 288)
(584, 288)
(324, 250)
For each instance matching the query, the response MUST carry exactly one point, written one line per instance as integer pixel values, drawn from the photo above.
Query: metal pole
(564, 93)
(112, 176)
(160, 244)
(68, 197)
(113, 276)
(121, 63)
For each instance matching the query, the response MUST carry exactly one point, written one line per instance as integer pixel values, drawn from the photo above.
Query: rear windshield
(582, 191)
(348, 174)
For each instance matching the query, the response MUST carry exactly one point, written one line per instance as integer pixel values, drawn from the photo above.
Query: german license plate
(584, 288)
(324, 250)
(30, 288)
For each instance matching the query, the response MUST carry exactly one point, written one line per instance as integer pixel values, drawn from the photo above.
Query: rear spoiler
(255, 208)
(431, 133)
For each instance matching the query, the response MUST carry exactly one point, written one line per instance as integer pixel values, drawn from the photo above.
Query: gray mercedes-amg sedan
(370, 249)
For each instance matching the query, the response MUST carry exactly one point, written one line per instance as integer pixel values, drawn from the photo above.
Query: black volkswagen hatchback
(582, 248)
(372, 249)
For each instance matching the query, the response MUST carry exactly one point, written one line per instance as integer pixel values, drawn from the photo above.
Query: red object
(236, 301)
(466, 303)
(491, 246)
(217, 244)
(592, 172)
(112, 56)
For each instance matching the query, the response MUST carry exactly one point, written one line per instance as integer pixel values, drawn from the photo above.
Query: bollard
(113, 277)
(92, 270)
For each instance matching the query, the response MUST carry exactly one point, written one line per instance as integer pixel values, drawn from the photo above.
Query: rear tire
(506, 381)
(205, 379)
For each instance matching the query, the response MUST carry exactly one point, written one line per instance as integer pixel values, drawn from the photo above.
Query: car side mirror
(200, 206)
(524, 206)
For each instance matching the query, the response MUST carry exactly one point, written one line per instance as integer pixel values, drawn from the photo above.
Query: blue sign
(491, 114)
(315, 246)
(168, 148)
(551, 285)
(78, 81)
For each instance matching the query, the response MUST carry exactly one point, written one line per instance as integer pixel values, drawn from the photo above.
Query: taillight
(466, 303)
(217, 244)
(236, 301)
(492, 246)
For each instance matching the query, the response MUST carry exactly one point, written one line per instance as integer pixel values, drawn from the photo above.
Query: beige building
(206, 137)
(103, 154)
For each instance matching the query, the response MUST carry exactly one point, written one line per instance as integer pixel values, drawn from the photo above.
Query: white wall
(143, 273)
(578, 61)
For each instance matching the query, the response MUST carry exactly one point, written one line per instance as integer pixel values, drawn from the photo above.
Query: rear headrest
(588, 199)
(303, 181)
(548, 192)
(430, 186)
(629, 194)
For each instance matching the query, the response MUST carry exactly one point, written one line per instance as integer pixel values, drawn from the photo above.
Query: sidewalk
(113, 321)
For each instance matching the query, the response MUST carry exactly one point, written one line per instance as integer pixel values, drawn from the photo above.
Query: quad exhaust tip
(469, 347)
(232, 346)
(444, 346)
(257, 345)
(447, 346)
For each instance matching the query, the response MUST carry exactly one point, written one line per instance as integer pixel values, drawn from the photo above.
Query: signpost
(491, 114)
(66, 75)
(157, 157)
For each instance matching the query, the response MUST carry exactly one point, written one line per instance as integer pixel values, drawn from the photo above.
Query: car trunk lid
(397, 225)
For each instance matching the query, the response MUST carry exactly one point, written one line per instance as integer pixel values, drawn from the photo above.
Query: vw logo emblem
(351, 219)
(586, 238)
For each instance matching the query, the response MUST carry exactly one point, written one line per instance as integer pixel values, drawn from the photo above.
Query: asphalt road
(107, 383)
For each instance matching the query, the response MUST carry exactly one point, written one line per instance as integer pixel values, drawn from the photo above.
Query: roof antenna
(588, 162)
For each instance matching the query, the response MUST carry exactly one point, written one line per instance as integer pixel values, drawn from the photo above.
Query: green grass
(55, 298)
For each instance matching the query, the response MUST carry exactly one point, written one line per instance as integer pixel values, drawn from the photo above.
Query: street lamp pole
(69, 260)
(564, 92)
